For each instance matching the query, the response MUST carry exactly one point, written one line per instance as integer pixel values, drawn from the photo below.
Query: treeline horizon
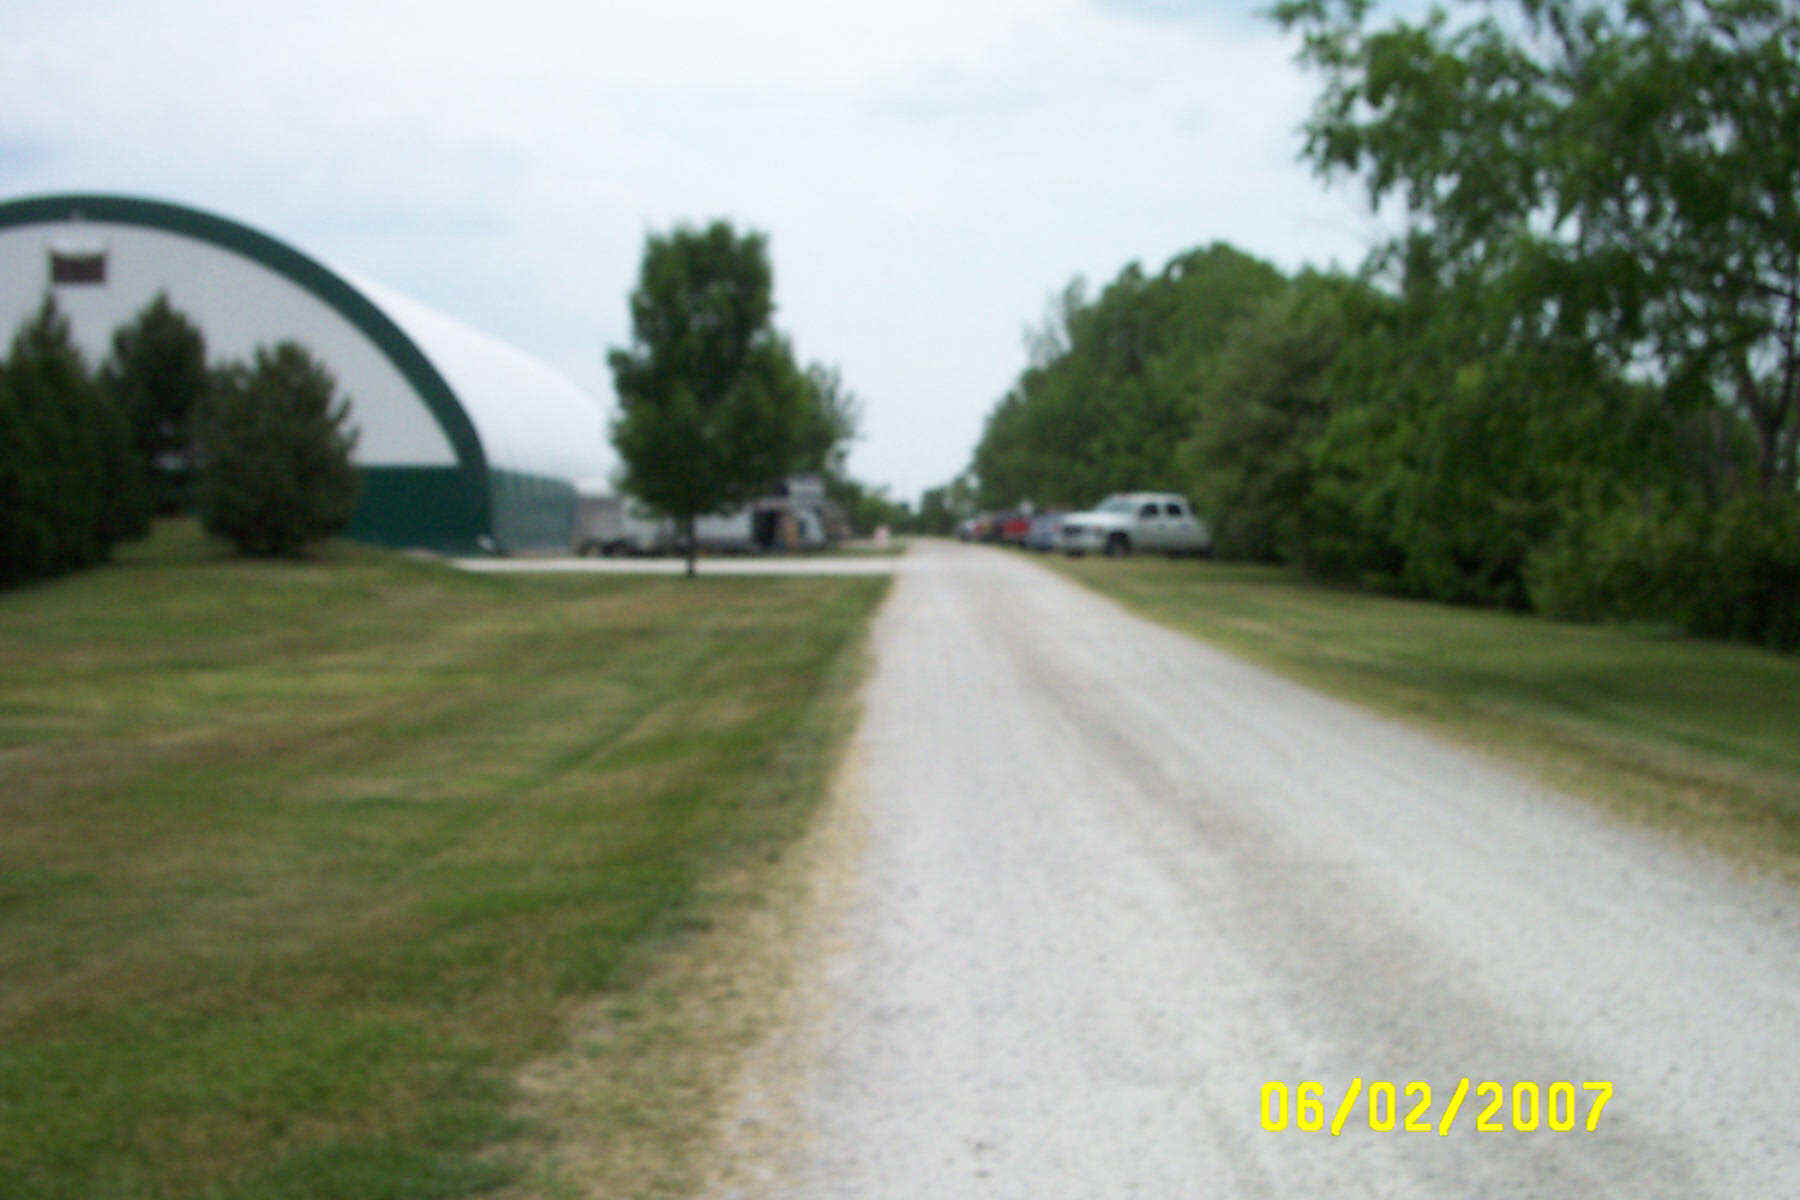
(1572, 386)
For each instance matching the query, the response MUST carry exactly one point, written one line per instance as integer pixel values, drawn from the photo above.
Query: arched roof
(497, 406)
(531, 417)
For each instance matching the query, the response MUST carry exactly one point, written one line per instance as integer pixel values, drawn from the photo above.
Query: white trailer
(613, 525)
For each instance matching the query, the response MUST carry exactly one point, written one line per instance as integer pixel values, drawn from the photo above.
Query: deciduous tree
(713, 408)
(1632, 165)
(1112, 383)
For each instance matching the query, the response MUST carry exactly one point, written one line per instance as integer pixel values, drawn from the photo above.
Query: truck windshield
(1118, 504)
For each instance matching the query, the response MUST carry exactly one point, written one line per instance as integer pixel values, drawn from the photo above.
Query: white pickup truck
(1156, 522)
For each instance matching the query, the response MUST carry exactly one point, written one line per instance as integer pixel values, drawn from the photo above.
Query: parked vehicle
(983, 527)
(1156, 522)
(726, 533)
(1012, 527)
(796, 516)
(1045, 532)
(613, 525)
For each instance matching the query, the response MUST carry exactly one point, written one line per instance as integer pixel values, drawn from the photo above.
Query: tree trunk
(693, 544)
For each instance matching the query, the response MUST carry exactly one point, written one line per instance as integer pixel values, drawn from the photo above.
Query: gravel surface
(1108, 882)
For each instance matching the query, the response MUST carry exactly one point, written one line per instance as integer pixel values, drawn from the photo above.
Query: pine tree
(156, 375)
(69, 484)
(275, 471)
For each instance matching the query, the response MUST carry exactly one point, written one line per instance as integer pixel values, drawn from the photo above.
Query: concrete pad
(834, 564)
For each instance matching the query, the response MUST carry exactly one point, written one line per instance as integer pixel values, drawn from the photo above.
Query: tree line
(1571, 385)
(89, 456)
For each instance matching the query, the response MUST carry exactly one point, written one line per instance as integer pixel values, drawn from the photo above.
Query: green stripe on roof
(305, 272)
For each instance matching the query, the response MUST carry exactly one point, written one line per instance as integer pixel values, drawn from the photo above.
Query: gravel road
(1108, 882)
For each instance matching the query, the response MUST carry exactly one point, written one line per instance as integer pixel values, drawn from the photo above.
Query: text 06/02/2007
(1522, 1107)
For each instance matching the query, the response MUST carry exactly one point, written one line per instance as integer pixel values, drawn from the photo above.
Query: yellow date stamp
(1524, 1106)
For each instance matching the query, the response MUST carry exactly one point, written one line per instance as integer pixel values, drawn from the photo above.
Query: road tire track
(1111, 881)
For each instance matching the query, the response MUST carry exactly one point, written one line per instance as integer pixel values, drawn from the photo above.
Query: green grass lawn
(299, 862)
(1698, 735)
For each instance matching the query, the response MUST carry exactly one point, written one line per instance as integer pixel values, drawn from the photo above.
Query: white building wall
(236, 302)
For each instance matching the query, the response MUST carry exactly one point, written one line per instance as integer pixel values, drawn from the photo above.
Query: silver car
(1156, 522)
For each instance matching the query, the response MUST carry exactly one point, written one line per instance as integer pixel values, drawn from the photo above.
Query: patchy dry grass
(1696, 735)
(302, 863)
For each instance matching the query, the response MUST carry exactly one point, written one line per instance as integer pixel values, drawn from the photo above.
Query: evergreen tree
(157, 376)
(69, 484)
(275, 471)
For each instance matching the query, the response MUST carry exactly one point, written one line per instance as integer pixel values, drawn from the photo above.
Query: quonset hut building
(464, 443)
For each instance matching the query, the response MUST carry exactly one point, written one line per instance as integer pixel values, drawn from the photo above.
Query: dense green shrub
(70, 485)
(1752, 591)
(1730, 570)
(275, 471)
(1590, 567)
(1347, 521)
(1268, 395)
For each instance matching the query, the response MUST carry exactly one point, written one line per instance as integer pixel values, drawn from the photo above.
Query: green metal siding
(432, 508)
(444, 509)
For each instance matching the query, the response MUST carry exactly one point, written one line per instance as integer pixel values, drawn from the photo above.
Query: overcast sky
(928, 173)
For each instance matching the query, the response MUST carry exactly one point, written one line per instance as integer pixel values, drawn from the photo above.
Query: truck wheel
(1118, 546)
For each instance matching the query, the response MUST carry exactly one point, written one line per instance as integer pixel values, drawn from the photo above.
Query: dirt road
(1109, 883)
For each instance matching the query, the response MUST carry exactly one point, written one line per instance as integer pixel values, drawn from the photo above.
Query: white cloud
(927, 172)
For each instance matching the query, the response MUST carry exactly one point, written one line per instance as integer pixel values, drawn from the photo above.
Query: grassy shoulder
(1700, 736)
(304, 863)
